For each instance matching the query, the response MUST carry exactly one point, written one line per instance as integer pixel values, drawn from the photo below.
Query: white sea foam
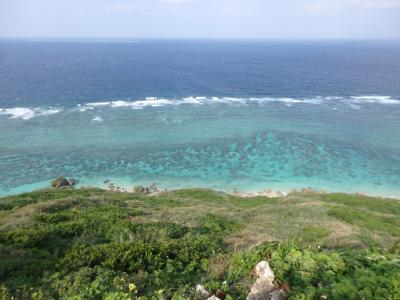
(19, 113)
(287, 101)
(193, 100)
(354, 102)
(120, 103)
(157, 102)
(86, 108)
(97, 119)
(153, 102)
(333, 98)
(374, 99)
(48, 112)
(98, 104)
(139, 104)
(230, 100)
(26, 113)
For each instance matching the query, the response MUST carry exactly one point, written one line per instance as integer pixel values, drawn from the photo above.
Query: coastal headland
(91, 243)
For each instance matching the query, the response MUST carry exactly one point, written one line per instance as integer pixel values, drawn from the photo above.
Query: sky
(253, 19)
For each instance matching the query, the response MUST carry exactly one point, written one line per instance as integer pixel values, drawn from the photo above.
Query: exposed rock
(111, 186)
(215, 295)
(264, 271)
(264, 288)
(201, 291)
(277, 295)
(62, 182)
(153, 188)
(220, 294)
(141, 190)
(266, 193)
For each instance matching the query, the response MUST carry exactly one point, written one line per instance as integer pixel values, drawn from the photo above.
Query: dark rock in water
(63, 182)
(106, 181)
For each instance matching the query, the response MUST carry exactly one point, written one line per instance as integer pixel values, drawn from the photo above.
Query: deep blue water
(224, 114)
(37, 73)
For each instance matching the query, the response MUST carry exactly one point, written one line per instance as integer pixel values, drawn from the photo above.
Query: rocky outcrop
(61, 182)
(152, 189)
(141, 190)
(213, 297)
(202, 292)
(265, 288)
(114, 188)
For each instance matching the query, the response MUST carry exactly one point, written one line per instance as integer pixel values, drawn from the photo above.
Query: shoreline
(258, 190)
(262, 192)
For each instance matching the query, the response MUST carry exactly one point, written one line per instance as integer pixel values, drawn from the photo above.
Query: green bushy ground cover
(96, 244)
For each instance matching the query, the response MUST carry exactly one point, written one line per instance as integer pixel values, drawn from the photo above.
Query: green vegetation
(96, 244)
(371, 221)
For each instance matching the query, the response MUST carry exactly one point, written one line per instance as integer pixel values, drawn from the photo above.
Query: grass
(96, 244)
(384, 206)
(371, 221)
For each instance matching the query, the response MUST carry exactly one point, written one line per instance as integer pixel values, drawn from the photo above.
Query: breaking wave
(25, 113)
(97, 119)
(158, 102)
(353, 102)
(374, 99)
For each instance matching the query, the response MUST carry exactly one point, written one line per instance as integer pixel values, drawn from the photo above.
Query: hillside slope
(96, 244)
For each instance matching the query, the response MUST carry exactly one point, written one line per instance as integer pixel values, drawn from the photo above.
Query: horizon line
(138, 39)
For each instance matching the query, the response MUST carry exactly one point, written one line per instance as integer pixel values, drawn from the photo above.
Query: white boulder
(213, 297)
(263, 270)
(201, 291)
(264, 288)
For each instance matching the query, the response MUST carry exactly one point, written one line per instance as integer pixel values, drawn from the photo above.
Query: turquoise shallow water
(349, 144)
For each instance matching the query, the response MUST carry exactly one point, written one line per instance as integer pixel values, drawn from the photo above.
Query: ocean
(221, 114)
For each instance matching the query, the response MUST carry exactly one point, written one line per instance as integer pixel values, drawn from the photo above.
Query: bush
(312, 274)
(169, 264)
